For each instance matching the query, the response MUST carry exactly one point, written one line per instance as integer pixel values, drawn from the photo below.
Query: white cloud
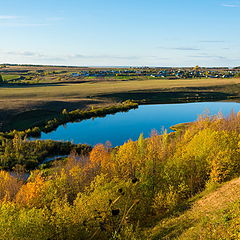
(7, 17)
(24, 53)
(231, 5)
(209, 56)
(24, 24)
(41, 56)
(212, 41)
(8, 21)
(181, 48)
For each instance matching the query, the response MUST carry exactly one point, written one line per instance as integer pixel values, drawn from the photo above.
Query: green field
(10, 77)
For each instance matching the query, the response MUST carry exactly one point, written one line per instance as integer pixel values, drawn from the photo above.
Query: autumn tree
(9, 186)
(126, 160)
(99, 158)
(29, 194)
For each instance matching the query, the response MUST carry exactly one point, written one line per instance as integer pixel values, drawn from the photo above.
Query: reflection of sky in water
(120, 127)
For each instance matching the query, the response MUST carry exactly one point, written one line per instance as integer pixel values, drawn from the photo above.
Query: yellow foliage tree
(126, 160)
(9, 186)
(29, 193)
(99, 157)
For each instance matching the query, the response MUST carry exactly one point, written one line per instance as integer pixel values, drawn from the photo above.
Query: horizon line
(111, 66)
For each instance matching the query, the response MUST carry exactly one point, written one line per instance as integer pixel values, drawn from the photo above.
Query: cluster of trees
(115, 193)
(19, 152)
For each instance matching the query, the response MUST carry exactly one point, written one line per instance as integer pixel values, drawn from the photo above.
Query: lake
(122, 126)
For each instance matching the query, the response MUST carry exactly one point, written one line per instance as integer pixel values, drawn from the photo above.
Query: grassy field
(81, 90)
(10, 77)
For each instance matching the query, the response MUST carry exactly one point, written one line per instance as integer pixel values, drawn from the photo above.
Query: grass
(208, 218)
(81, 90)
(31, 119)
(10, 77)
(22, 114)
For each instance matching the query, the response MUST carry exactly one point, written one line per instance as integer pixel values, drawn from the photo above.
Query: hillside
(186, 184)
(216, 215)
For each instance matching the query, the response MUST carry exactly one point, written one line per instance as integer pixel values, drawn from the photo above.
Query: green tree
(1, 79)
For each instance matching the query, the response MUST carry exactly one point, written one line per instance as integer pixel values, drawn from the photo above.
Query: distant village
(35, 74)
(170, 73)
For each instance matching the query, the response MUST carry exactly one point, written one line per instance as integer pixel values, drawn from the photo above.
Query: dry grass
(229, 192)
(82, 90)
(24, 112)
(207, 207)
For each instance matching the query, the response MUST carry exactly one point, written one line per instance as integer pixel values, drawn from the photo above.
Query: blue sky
(120, 33)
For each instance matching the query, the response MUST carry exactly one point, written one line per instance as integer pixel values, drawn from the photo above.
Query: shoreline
(72, 116)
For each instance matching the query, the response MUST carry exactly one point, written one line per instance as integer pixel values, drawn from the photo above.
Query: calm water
(120, 127)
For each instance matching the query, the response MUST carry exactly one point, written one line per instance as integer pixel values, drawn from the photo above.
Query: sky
(164, 33)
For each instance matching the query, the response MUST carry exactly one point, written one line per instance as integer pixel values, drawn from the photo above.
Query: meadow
(10, 77)
(93, 89)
